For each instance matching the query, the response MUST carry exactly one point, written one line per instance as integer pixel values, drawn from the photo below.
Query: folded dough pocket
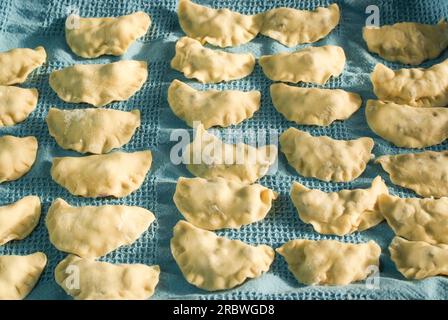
(325, 158)
(16, 104)
(116, 174)
(212, 107)
(17, 64)
(219, 27)
(17, 155)
(210, 66)
(407, 126)
(93, 37)
(330, 262)
(106, 281)
(416, 87)
(99, 84)
(216, 263)
(426, 172)
(407, 42)
(220, 203)
(94, 231)
(208, 157)
(341, 212)
(312, 64)
(292, 27)
(18, 219)
(19, 274)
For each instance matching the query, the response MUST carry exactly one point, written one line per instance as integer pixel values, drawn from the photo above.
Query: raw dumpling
(92, 130)
(426, 172)
(99, 84)
(314, 106)
(106, 281)
(209, 158)
(219, 27)
(17, 64)
(330, 262)
(90, 231)
(418, 259)
(406, 126)
(342, 212)
(19, 274)
(416, 87)
(407, 42)
(292, 27)
(219, 203)
(19, 219)
(16, 104)
(312, 64)
(116, 174)
(216, 263)
(212, 107)
(417, 219)
(17, 155)
(210, 66)
(94, 37)
(325, 158)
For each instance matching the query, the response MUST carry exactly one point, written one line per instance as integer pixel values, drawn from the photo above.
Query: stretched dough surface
(17, 64)
(16, 104)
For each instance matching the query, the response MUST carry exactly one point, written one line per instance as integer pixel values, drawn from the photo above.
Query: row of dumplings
(86, 232)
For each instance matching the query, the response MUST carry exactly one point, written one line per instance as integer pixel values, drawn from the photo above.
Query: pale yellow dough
(208, 157)
(426, 172)
(418, 259)
(18, 219)
(407, 42)
(116, 174)
(219, 27)
(341, 212)
(215, 263)
(219, 203)
(16, 104)
(407, 126)
(99, 84)
(212, 107)
(19, 274)
(17, 64)
(330, 262)
(416, 87)
(93, 37)
(314, 106)
(17, 155)
(92, 130)
(312, 64)
(417, 219)
(94, 231)
(325, 158)
(210, 66)
(292, 27)
(106, 281)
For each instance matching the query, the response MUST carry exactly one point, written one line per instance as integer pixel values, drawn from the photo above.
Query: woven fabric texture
(31, 23)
